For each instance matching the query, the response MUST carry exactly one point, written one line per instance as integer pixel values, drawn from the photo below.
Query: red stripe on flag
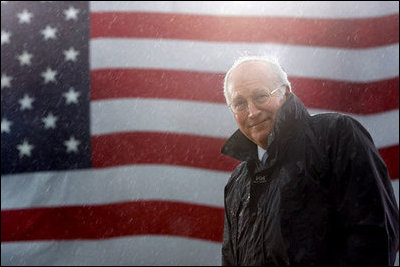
(113, 220)
(347, 33)
(160, 148)
(181, 149)
(150, 83)
(349, 97)
(391, 157)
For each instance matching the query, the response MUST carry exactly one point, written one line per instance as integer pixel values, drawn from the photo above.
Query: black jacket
(324, 198)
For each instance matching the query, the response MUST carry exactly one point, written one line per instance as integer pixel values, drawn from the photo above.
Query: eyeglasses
(260, 99)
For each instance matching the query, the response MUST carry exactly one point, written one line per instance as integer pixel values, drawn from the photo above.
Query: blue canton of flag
(44, 86)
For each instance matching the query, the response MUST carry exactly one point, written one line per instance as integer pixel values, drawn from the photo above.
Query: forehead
(249, 77)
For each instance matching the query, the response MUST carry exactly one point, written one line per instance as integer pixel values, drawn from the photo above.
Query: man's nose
(253, 109)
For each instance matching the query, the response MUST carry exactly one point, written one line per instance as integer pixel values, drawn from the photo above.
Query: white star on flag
(5, 125)
(25, 58)
(26, 102)
(72, 144)
(50, 121)
(49, 32)
(5, 37)
(25, 16)
(49, 75)
(25, 149)
(71, 54)
(71, 96)
(5, 80)
(71, 13)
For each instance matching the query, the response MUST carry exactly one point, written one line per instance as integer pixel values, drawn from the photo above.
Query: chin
(260, 137)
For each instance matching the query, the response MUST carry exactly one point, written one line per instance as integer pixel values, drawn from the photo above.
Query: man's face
(246, 82)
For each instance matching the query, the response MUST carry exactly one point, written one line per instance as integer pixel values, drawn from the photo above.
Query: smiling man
(310, 190)
(256, 92)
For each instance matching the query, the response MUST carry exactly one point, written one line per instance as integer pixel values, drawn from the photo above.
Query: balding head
(266, 68)
(255, 89)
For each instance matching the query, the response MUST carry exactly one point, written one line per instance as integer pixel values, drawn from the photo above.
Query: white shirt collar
(261, 152)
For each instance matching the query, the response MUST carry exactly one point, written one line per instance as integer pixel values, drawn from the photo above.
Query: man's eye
(239, 105)
(261, 98)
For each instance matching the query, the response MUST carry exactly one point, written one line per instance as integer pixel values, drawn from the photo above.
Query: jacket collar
(290, 116)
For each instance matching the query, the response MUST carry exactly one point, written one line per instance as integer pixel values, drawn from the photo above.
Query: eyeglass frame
(268, 94)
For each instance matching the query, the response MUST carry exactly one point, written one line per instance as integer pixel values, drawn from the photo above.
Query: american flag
(113, 116)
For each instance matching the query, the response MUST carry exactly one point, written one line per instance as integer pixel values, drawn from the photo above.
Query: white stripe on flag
(111, 185)
(191, 117)
(361, 65)
(137, 250)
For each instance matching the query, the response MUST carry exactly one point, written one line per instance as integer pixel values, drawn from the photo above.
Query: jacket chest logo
(259, 179)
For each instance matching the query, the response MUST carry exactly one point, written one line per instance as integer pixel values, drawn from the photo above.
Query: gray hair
(272, 63)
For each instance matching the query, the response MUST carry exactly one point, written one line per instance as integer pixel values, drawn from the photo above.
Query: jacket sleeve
(227, 248)
(367, 216)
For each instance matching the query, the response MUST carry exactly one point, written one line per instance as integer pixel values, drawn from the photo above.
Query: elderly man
(310, 190)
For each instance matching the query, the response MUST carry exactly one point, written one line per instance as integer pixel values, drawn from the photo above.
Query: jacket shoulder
(339, 124)
(326, 119)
